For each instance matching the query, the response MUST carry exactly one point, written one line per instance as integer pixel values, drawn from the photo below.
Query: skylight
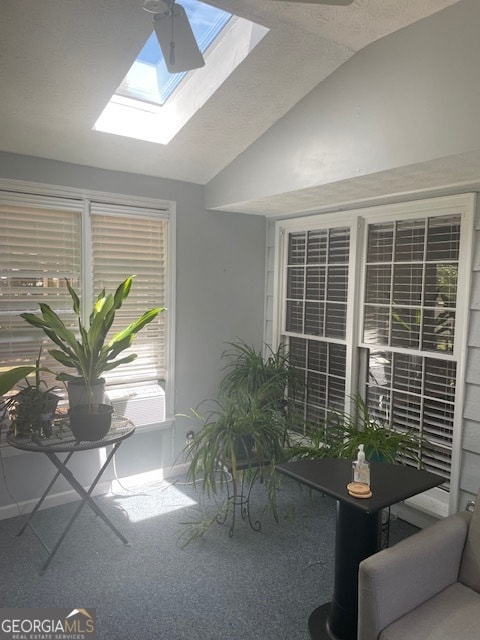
(152, 104)
(148, 79)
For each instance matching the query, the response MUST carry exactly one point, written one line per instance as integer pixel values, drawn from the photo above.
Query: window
(378, 305)
(152, 105)
(410, 307)
(123, 244)
(148, 78)
(316, 277)
(95, 243)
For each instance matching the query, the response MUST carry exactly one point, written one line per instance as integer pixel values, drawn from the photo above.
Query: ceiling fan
(339, 3)
(175, 36)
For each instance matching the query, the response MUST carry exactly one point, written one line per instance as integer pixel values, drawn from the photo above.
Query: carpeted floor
(253, 586)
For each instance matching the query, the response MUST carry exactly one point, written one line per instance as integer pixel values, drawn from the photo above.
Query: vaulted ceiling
(61, 60)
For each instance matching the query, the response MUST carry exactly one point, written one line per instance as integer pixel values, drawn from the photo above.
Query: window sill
(7, 451)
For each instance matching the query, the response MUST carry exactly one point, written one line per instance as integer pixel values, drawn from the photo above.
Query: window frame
(437, 501)
(25, 193)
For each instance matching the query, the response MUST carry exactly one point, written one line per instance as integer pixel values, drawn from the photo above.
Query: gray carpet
(255, 585)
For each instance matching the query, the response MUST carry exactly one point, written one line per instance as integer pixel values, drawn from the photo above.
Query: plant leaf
(10, 378)
(75, 298)
(135, 327)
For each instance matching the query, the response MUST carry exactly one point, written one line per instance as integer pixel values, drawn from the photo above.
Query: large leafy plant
(89, 353)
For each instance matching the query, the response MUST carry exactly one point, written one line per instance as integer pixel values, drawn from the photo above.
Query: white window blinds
(133, 241)
(410, 311)
(316, 287)
(95, 245)
(39, 247)
(400, 340)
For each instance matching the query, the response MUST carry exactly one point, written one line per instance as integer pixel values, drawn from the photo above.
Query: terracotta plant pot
(90, 422)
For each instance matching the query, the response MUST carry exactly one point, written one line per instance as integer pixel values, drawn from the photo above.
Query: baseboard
(150, 477)
(103, 488)
(52, 500)
(413, 515)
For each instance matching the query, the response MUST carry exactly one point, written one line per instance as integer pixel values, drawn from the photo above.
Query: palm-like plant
(89, 353)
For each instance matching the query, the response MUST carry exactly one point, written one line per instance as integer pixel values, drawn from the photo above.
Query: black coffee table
(358, 529)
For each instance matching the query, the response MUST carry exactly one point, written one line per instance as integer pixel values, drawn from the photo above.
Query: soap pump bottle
(361, 468)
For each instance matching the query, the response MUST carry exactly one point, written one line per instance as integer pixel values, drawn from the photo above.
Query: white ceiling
(61, 60)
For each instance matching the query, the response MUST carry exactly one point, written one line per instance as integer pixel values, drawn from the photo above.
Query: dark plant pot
(34, 412)
(244, 447)
(90, 423)
(78, 394)
(46, 418)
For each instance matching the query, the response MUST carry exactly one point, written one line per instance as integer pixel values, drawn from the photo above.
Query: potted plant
(90, 352)
(250, 414)
(343, 432)
(382, 442)
(239, 440)
(245, 429)
(233, 432)
(32, 408)
(249, 372)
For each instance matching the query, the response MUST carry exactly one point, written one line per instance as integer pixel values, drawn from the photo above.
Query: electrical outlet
(190, 436)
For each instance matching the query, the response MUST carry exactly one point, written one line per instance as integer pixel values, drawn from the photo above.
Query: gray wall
(219, 297)
(470, 470)
(409, 98)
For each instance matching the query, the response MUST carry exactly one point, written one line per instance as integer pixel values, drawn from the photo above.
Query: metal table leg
(86, 495)
(239, 498)
(40, 502)
(63, 470)
(66, 443)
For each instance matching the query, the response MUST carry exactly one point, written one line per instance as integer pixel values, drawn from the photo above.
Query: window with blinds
(130, 242)
(316, 286)
(411, 276)
(94, 245)
(379, 307)
(39, 247)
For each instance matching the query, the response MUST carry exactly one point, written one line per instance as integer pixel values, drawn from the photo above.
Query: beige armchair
(426, 587)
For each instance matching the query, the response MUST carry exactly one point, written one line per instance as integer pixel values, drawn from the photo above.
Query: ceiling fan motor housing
(157, 6)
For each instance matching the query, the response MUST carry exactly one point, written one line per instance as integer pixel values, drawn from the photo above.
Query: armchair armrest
(394, 581)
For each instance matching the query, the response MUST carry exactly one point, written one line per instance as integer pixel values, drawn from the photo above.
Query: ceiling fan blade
(176, 40)
(339, 3)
